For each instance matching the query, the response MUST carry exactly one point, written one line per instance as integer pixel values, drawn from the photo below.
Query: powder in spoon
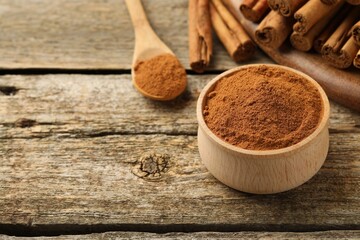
(263, 108)
(162, 76)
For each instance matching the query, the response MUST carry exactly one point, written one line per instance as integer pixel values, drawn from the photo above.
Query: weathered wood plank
(86, 180)
(76, 184)
(93, 105)
(89, 34)
(202, 235)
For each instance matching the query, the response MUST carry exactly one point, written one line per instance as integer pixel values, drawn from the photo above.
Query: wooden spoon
(147, 45)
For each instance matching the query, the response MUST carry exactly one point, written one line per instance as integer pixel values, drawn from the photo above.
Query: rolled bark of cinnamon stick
(236, 41)
(329, 2)
(330, 28)
(273, 30)
(286, 7)
(304, 42)
(356, 33)
(357, 60)
(340, 49)
(354, 2)
(309, 14)
(200, 39)
(342, 58)
(254, 10)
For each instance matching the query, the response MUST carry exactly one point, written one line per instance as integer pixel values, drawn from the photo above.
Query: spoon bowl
(146, 54)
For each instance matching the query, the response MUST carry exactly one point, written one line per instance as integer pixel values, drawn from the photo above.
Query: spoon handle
(145, 36)
(137, 14)
(147, 43)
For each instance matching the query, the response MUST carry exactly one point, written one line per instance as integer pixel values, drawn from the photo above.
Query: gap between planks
(92, 71)
(153, 230)
(202, 235)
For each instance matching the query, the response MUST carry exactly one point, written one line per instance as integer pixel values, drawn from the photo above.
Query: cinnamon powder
(263, 108)
(162, 76)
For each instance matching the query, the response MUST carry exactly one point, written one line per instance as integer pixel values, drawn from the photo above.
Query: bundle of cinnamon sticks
(205, 15)
(330, 27)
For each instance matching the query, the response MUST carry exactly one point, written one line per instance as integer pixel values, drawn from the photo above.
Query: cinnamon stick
(273, 30)
(254, 10)
(357, 60)
(330, 28)
(356, 33)
(340, 49)
(236, 41)
(309, 14)
(200, 39)
(304, 42)
(286, 7)
(354, 2)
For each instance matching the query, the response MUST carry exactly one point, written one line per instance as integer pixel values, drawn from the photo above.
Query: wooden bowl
(267, 171)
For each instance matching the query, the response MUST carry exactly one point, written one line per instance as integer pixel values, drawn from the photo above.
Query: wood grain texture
(73, 147)
(77, 168)
(201, 235)
(90, 34)
(67, 185)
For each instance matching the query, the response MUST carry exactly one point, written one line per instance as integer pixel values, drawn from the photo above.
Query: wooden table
(73, 130)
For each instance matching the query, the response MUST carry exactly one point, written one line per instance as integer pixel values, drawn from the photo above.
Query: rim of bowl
(322, 124)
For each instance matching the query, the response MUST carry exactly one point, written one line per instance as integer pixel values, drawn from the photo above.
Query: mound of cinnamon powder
(263, 108)
(162, 76)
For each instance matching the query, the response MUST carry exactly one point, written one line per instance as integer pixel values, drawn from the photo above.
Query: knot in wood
(151, 166)
(8, 90)
(24, 123)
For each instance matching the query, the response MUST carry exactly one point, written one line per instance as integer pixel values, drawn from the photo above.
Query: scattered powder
(162, 76)
(263, 108)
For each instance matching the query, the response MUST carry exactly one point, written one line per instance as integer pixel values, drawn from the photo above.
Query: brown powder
(162, 76)
(263, 108)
